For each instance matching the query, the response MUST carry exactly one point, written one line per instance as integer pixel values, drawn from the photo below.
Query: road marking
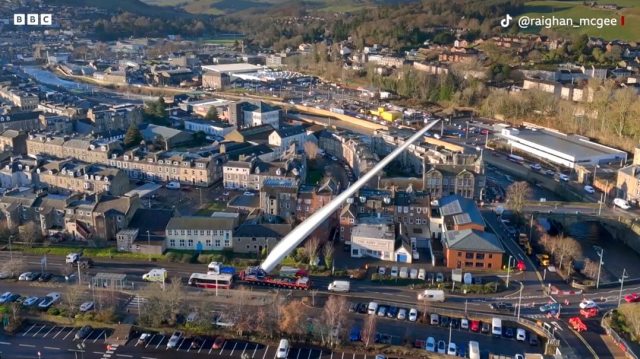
(5, 343)
(150, 340)
(179, 345)
(342, 357)
(223, 345)
(320, 356)
(265, 352)
(310, 351)
(234, 348)
(124, 355)
(254, 350)
(160, 342)
(27, 332)
(50, 330)
(61, 329)
(211, 349)
(148, 358)
(298, 356)
(331, 355)
(52, 348)
(354, 356)
(27, 345)
(65, 337)
(99, 335)
(245, 348)
(202, 345)
(39, 330)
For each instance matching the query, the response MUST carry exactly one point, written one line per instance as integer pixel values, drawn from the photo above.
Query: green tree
(132, 137)
(212, 114)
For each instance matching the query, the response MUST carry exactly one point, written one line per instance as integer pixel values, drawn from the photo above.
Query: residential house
(91, 151)
(283, 137)
(74, 176)
(472, 250)
(144, 235)
(257, 134)
(250, 114)
(212, 128)
(251, 173)
(258, 238)
(14, 141)
(628, 181)
(167, 136)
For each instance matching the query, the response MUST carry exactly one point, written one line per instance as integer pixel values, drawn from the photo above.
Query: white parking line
(27, 332)
(124, 355)
(331, 355)
(61, 329)
(245, 348)
(210, 349)
(150, 340)
(85, 338)
(342, 356)
(234, 348)
(47, 333)
(27, 345)
(320, 356)
(310, 351)
(160, 342)
(52, 348)
(148, 358)
(298, 355)
(354, 355)
(254, 350)
(265, 352)
(99, 335)
(65, 337)
(223, 345)
(39, 330)
(179, 345)
(5, 343)
(189, 348)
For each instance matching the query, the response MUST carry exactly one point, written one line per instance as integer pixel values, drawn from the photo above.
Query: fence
(620, 342)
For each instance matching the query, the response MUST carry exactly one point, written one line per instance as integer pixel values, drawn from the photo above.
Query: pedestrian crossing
(111, 349)
(135, 304)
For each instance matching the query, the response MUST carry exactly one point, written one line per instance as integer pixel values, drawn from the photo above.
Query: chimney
(636, 155)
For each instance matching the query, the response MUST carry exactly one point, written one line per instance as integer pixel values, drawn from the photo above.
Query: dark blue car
(354, 336)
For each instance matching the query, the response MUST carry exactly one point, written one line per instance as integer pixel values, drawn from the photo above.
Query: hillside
(630, 9)
(217, 7)
(133, 6)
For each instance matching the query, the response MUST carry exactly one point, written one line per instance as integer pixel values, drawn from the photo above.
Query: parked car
(455, 323)
(434, 319)
(28, 276)
(621, 203)
(353, 307)
(413, 273)
(475, 326)
(174, 340)
(536, 167)
(48, 300)
(394, 271)
(533, 340)
(442, 347)
(197, 342)
(404, 272)
(413, 315)
(550, 307)
(173, 185)
(421, 274)
(486, 328)
(632, 298)
(382, 270)
(362, 308)
(589, 189)
(464, 323)
(430, 345)
(392, 312)
(6, 275)
(83, 332)
(382, 310)
(144, 339)
(439, 277)
(87, 306)
(45, 277)
(508, 332)
(502, 306)
(30, 301)
(372, 308)
(563, 177)
(248, 193)
(521, 334)
(444, 321)
(452, 350)
(218, 343)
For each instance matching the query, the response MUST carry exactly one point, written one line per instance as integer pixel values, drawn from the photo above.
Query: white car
(587, 304)
(48, 300)
(394, 271)
(173, 185)
(413, 273)
(27, 276)
(382, 270)
(430, 346)
(404, 272)
(5, 275)
(452, 350)
(521, 334)
(422, 274)
(622, 203)
(464, 323)
(5, 296)
(413, 315)
(87, 306)
(72, 258)
(536, 167)
(402, 314)
(563, 177)
(247, 193)
(415, 255)
(174, 340)
(589, 189)
(518, 356)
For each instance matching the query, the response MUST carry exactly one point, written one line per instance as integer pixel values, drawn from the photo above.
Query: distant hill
(217, 7)
(134, 6)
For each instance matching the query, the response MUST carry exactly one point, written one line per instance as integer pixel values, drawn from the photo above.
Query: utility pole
(530, 227)
(600, 204)
(10, 250)
(520, 300)
(79, 281)
(600, 252)
(624, 275)
(200, 190)
(450, 328)
(509, 269)
(149, 244)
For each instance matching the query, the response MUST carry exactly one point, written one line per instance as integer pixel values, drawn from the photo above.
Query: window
(217, 243)
(202, 232)
(468, 264)
(172, 243)
(341, 229)
(190, 242)
(479, 264)
(479, 255)
(459, 254)
(182, 243)
(208, 232)
(488, 265)
(227, 243)
(490, 255)
(208, 242)
(189, 232)
(182, 232)
(253, 239)
(469, 256)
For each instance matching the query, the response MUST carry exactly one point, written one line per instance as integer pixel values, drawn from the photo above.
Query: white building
(201, 233)
(214, 128)
(282, 138)
(262, 115)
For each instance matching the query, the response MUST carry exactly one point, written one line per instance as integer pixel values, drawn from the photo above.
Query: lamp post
(10, 250)
(149, 244)
(520, 299)
(624, 275)
(600, 252)
(509, 269)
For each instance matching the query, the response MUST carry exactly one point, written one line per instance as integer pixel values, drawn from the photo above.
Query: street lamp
(600, 252)
(520, 299)
(509, 269)
(624, 276)
(10, 250)
(149, 244)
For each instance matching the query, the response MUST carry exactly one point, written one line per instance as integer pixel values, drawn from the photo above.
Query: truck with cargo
(219, 268)
(339, 286)
(155, 275)
(257, 276)
(431, 295)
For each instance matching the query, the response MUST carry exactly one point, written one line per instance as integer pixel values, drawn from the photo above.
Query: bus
(474, 350)
(205, 280)
(516, 159)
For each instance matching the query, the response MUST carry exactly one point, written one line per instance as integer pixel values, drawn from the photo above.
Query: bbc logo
(32, 19)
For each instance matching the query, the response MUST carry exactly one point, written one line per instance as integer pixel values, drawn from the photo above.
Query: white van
(496, 326)
(373, 308)
(339, 286)
(155, 275)
(283, 349)
(435, 319)
(474, 350)
(622, 203)
(521, 334)
(431, 295)
(404, 272)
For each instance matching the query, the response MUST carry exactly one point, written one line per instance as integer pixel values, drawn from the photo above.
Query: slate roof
(262, 230)
(195, 222)
(473, 241)
(461, 210)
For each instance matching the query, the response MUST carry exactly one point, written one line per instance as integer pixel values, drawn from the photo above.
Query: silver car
(174, 340)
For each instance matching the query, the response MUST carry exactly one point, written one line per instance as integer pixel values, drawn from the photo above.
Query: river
(49, 78)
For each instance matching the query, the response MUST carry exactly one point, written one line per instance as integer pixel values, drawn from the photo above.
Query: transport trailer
(257, 276)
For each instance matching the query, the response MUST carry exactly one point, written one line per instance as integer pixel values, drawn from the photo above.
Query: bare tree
(369, 329)
(311, 249)
(631, 315)
(72, 299)
(29, 233)
(517, 194)
(161, 306)
(334, 317)
(311, 149)
(568, 248)
(241, 316)
(590, 269)
(313, 293)
(327, 251)
(294, 318)
(14, 266)
(265, 321)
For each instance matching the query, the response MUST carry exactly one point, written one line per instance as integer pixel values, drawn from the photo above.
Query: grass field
(576, 10)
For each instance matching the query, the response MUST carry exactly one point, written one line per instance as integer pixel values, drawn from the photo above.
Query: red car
(632, 298)
(218, 343)
(475, 326)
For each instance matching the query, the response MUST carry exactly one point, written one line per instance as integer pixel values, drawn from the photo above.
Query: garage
(402, 257)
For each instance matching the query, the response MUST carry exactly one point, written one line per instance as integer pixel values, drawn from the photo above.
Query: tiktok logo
(506, 21)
